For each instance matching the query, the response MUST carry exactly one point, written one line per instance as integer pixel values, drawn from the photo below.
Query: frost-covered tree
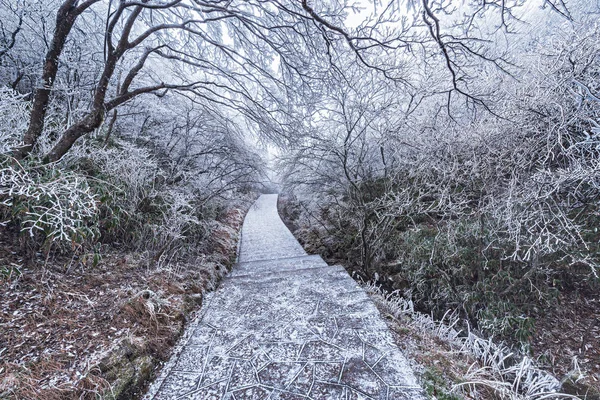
(481, 183)
(254, 57)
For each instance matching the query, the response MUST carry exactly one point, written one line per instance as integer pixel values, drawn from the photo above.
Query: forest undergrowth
(76, 330)
(94, 313)
(486, 207)
(105, 255)
(562, 338)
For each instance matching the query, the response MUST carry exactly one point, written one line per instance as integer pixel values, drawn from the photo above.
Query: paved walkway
(284, 325)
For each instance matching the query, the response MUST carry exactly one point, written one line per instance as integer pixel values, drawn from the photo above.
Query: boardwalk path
(284, 325)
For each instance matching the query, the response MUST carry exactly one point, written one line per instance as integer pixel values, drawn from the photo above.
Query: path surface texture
(285, 325)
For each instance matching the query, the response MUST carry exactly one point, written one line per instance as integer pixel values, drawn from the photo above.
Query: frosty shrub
(49, 205)
(138, 208)
(13, 118)
(510, 375)
(492, 217)
(169, 236)
(124, 165)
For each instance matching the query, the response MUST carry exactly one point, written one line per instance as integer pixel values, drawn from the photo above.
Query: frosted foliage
(177, 217)
(58, 204)
(511, 376)
(13, 118)
(529, 172)
(129, 167)
(133, 171)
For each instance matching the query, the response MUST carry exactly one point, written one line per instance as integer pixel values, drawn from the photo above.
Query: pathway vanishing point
(285, 325)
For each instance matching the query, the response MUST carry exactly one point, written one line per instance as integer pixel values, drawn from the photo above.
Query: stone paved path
(284, 325)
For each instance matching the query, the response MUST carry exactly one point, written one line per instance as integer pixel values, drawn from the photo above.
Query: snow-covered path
(284, 325)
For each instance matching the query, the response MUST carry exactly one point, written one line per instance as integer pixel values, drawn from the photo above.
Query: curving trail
(285, 325)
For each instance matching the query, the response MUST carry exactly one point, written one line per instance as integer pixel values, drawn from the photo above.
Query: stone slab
(265, 267)
(265, 236)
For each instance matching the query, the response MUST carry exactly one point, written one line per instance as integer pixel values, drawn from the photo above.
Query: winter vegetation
(446, 150)
(493, 371)
(120, 199)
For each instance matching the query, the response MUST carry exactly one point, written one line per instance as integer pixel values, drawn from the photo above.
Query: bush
(49, 205)
(13, 116)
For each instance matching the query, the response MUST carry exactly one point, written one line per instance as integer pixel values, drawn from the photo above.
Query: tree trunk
(111, 126)
(91, 121)
(65, 19)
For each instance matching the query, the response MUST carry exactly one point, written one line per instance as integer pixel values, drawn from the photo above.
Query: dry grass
(60, 324)
(454, 365)
(570, 334)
